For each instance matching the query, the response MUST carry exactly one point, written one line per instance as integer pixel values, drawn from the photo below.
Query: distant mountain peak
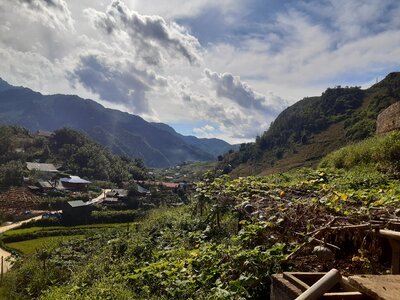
(158, 144)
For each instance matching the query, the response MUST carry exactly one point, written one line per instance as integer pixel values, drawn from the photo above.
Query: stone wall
(389, 119)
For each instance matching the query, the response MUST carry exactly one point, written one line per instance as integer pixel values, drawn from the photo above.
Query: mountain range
(158, 144)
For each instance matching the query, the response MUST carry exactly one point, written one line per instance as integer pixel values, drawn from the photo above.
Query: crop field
(26, 240)
(33, 230)
(31, 246)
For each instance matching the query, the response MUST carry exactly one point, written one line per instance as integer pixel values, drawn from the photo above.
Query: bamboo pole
(328, 281)
(394, 239)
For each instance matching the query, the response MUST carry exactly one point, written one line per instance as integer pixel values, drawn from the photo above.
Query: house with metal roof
(76, 211)
(141, 190)
(74, 183)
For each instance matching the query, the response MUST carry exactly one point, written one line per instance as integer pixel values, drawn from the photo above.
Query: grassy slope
(33, 230)
(31, 246)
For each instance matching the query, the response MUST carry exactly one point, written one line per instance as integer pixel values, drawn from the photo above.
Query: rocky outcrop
(389, 119)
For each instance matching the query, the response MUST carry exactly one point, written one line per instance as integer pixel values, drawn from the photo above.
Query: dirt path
(101, 197)
(4, 253)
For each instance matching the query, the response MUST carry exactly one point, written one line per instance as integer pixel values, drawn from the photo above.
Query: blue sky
(209, 68)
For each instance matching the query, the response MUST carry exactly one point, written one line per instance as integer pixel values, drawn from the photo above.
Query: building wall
(75, 186)
(389, 119)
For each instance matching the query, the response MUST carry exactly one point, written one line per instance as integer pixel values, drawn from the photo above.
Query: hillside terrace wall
(389, 119)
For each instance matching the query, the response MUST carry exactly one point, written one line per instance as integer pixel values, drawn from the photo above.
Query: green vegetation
(381, 152)
(24, 234)
(166, 257)
(339, 116)
(228, 242)
(235, 233)
(77, 153)
(34, 229)
(111, 216)
(88, 159)
(31, 246)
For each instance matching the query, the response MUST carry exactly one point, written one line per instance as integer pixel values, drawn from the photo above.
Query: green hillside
(234, 235)
(157, 144)
(73, 151)
(313, 127)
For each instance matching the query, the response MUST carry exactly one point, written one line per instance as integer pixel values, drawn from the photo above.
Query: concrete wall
(389, 119)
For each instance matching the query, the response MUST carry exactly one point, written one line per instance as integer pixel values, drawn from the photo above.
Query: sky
(208, 68)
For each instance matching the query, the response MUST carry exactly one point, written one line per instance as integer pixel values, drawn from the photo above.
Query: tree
(11, 174)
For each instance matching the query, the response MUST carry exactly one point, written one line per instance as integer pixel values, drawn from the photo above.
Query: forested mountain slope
(313, 127)
(123, 133)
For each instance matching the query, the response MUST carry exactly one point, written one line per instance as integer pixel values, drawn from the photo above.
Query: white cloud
(299, 55)
(138, 57)
(151, 36)
(182, 8)
(205, 131)
(231, 87)
(117, 81)
(54, 13)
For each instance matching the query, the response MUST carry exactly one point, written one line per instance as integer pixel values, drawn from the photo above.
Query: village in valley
(46, 194)
(50, 182)
(57, 203)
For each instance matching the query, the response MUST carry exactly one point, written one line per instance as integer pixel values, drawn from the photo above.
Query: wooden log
(328, 281)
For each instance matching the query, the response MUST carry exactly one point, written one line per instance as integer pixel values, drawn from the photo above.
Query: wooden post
(395, 256)
(2, 266)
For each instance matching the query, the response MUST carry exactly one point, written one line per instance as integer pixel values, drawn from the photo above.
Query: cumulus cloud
(117, 81)
(53, 13)
(316, 44)
(204, 131)
(184, 8)
(355, 19)
(136, 56)
(231, 87)
(147, 33)
(233, 122)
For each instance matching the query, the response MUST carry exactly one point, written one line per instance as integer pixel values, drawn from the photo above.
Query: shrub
(120, 216)
(383, 152)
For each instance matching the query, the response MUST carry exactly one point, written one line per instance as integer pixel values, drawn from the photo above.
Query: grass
(2, 294)
(32, 230)
(30, 246)
(382, 151)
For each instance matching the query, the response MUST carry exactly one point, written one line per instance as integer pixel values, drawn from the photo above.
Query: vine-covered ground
(228, 242)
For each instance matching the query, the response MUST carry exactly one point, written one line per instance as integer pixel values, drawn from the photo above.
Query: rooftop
(142, 190)
(77, 203)
(41, 167)
(74, 179)
(45, 184)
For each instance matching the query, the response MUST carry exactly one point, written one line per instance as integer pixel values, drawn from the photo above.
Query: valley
(108, 227)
